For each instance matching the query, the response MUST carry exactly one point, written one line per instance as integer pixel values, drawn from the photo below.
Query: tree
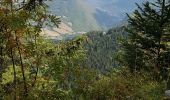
(147, 44)
(21, 23)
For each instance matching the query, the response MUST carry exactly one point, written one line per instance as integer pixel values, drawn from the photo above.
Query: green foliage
(137, 86)
(22, 48)
(35, 68)
(102, 48)
(146, 46)
(69, 70)
(102, 89)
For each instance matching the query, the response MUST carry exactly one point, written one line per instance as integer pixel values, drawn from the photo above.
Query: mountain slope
(87, 15)
(75, 12)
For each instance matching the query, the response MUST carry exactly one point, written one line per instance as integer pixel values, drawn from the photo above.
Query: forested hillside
(127, 62)
(102, 48)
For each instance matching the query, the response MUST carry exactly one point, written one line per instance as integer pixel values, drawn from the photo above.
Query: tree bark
(22, 68)
(162, 22)
(14, 72)
(1, 63)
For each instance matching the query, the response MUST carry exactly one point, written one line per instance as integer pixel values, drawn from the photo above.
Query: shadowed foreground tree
(148, 45)
(21, 23)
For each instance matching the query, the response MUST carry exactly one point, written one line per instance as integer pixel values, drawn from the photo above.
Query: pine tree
(147, 44)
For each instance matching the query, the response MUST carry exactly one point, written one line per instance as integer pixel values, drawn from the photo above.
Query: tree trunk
(14, 72)
(1, 70)
(1, 63)
(168, 84)
(22, 68)
(162, 22)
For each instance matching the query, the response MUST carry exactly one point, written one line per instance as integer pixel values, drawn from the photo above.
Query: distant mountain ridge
(87, 15)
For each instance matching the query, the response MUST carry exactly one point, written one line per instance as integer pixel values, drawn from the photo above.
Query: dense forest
(128, 62)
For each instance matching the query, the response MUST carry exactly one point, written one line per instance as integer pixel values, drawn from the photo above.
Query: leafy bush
(137, 86)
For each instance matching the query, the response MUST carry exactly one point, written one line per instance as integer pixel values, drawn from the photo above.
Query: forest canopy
(130, 61)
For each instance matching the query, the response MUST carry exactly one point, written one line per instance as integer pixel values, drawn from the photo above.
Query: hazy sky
(115, 7)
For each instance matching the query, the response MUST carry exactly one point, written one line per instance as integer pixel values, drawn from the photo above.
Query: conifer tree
(147, 44)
